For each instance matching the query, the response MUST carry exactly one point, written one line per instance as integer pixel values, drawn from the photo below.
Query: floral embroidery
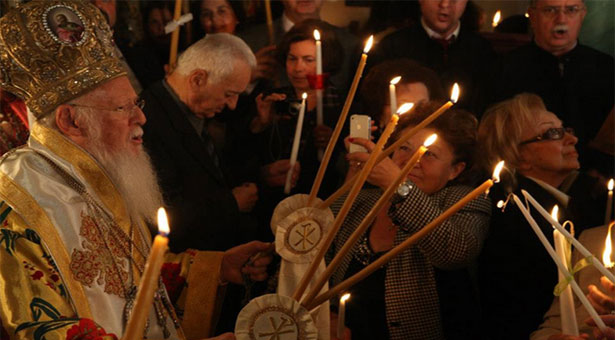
(46, 318)
(88, 330)
(173, 282)
(47, 275)
(102, 260)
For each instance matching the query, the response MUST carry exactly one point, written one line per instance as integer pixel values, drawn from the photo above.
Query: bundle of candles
(561, 256)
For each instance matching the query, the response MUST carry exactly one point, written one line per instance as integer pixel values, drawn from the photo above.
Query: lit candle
(397, 144)
(496, 19)
(393, 94)
(149, 281)
(384, 259)
(341, 316)
(295, 150)
(341, 215)
(340, 122)
(175, 35)
(609, 204)
(566, 306)
(269, 21)
(586, 253)
(543, 239)
(319, 86)
(369, 218)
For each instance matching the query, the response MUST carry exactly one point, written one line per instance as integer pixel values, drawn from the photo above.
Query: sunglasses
(550, 134)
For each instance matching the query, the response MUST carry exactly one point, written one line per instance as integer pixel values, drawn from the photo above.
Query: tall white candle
(575, 287)
(319, 80)
(393, 94)
(341, 316)
(566, 306)
(575, 243)
(609, 204)
(295, 150)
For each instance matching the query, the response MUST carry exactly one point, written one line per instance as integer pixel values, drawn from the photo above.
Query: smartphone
(360, 127)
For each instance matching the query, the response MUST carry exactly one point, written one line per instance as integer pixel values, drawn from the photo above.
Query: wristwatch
(403, 190)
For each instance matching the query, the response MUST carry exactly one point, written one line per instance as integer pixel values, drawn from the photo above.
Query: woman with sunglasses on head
(516, 274)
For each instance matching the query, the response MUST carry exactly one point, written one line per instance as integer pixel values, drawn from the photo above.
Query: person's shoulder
(590, 52)
(455, 192)
(405, 33)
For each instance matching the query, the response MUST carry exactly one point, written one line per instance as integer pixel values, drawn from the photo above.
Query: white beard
(134, 177)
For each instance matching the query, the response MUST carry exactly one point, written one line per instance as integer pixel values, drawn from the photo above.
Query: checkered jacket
(411, 299)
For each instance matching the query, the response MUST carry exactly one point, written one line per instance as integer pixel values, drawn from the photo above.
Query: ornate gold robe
(59, 267)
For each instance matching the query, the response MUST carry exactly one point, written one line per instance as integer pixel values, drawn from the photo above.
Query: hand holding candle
(341, 215)
(296, 142)
(575, 243)
(384, 259)
(575, 287)
(389, 150)
(149, 281)
(370, 217)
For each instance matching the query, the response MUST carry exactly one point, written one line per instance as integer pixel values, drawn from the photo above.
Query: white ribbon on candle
(173, 24)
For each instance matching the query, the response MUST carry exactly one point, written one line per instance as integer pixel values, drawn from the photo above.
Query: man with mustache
(76, 199)
(575, 81)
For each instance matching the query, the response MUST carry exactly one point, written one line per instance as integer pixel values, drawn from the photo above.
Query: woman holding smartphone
(403, 300)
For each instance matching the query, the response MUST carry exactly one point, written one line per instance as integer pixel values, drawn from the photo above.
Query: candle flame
(163, 222)
(395, 80)
(430, 140)
(345, 297)
(496, 171)
(316, 35)
(527, 15)
(368, 44)
(610, 185)
(608, 249)
(496, 18)
(555, 212)
(405, 107)
(455, 93)
(304, 95)
(500, 204)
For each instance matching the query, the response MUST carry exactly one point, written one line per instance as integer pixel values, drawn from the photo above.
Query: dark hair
(148, 6)
(374, 88)
(195, 9)
(457, 127)
(332, 51)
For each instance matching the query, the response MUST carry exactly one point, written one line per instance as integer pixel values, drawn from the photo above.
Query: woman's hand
(602, 302)
(382, 175)
(609, 333)
(265, 111)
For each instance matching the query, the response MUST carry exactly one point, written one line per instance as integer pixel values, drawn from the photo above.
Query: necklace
(103, 220)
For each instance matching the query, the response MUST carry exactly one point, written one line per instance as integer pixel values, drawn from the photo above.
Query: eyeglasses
(550, 134)
(137, 103)
(552, 11)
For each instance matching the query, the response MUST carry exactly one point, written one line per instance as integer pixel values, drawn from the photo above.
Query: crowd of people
(115, 132)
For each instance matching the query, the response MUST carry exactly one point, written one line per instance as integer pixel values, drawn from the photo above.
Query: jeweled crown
(54, 51)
